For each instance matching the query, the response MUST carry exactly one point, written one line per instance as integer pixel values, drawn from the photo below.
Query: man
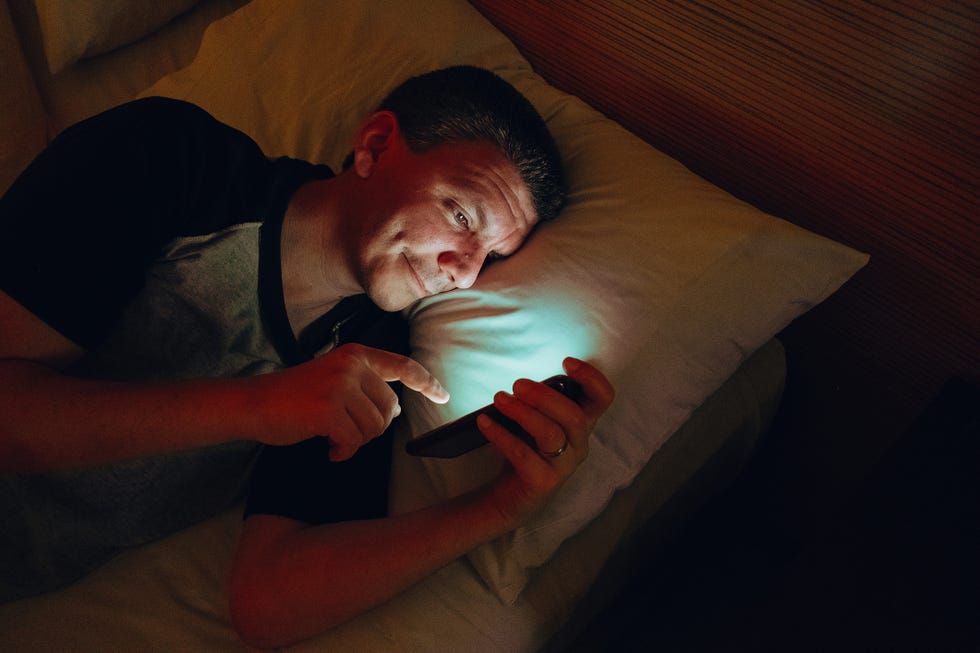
(165, 289)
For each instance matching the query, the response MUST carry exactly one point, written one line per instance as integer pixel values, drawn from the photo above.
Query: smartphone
(462, 435)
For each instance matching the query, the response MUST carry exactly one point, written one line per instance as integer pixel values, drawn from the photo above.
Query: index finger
(395, 367)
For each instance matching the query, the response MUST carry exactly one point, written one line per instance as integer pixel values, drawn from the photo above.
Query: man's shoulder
(163, 104)
(169, 110)
(157, 107)
(158, 120)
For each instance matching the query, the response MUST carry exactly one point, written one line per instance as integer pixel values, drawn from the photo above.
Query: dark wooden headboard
(857, 120)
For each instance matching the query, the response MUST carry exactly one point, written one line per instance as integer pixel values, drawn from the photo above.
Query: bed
(672, 285)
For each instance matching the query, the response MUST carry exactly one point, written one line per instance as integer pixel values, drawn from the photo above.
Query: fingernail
(443, 392)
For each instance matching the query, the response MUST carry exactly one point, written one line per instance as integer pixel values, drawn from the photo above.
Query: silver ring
(557, 452)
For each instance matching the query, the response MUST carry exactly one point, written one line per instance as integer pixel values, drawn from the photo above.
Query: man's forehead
(485, 171)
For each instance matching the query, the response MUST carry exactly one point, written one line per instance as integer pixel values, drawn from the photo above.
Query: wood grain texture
(857, 120)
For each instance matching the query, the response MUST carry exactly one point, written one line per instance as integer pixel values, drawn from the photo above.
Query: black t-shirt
(299, 481)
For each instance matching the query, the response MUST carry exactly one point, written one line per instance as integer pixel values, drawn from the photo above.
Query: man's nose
(462, 267)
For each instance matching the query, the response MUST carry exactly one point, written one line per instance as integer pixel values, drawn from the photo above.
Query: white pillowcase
(664, 281)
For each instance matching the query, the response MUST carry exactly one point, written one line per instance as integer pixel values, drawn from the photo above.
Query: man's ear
(376, 135)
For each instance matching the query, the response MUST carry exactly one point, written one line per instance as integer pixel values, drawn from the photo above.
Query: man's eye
(461, 220)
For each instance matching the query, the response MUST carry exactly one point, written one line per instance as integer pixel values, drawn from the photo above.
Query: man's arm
(292, 581)
(51, 420)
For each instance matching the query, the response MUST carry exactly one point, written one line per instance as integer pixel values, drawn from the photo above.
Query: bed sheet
(170, 595)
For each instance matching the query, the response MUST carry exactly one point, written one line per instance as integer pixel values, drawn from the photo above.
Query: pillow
(74, 29)
(663, 280)
(23, 121)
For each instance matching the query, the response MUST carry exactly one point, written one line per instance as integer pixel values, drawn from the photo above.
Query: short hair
(466, 103)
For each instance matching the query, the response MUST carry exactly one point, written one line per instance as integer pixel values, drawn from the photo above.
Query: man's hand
(51, 420)
(559, 426)
(343, 396)
(292, 580)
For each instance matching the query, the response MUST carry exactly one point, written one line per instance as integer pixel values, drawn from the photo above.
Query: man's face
(435, 218)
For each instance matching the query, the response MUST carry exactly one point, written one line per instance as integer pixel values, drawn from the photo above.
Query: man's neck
(316, 271)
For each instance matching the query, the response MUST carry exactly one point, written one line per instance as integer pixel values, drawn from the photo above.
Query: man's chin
(400, 297)
(393, 304)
